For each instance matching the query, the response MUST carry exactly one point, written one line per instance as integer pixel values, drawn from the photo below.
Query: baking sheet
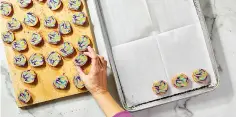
(150, 40)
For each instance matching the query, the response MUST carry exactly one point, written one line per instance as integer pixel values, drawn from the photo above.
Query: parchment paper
(154, 40)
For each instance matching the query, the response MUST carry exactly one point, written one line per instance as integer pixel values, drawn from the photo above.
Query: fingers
(103, 61)
(88, 54)
(92, 53)
(80, 71)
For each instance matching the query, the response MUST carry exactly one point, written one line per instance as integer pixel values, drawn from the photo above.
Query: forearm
(107, 103)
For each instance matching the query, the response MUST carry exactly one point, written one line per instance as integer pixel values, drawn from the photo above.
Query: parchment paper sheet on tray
(155, 40)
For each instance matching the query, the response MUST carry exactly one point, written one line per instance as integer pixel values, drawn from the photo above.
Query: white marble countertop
(221, 21)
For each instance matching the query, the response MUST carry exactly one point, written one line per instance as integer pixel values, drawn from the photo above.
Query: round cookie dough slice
(83, 43)
(81, 60)
(50, 22)
(61, 82)
(28, 76)
(13, 24)
(74, 4)
(24, 96)
(65, 27)
(66, 49)
(36, 39)
(6, 8)
(20, 60)
(180, 81)
(54, 59)
(54, 4)
(78, 82)
(160, 87)
(54, 37)
(24, 3)
(79, 18)
(36, 60)
(30, 19)
(8, 37)
(201, 76)
(19, 45)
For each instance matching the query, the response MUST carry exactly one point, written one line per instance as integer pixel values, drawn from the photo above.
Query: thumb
(80, 71)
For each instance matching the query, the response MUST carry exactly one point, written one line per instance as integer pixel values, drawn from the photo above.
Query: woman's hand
(96, 80)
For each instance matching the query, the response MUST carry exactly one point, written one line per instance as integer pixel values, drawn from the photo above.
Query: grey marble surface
(221, 21)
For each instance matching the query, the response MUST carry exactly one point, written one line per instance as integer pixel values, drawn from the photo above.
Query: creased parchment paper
(154, 40)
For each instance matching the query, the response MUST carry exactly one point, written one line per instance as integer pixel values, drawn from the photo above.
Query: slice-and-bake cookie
(79, 18)
(19, 45)
(180, 81)
(78, 82)
(6, 8)
(160, 87)
(74, 4)
(30, 19)
(36, 60)
(81, 60)
(24, 96)
(13, 24)
(61, 82)
(66, 49)
(8, 37)
(20, 60)
(28, 76)
(83, 43)
(54, 37)
(53, 58)
(65, 27)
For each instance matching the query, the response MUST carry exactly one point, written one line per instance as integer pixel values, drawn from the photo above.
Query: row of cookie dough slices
(61, 82)
(31, 19)
(53, 38)
(200, 76)
(53, 59)
(7, 9)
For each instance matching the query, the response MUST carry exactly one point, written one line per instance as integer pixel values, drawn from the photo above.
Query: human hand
(96, 80)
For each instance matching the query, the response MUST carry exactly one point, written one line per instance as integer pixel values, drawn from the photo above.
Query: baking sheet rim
(152, 103)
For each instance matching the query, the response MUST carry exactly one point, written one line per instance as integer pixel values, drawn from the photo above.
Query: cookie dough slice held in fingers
(78, 82)
(81, 60)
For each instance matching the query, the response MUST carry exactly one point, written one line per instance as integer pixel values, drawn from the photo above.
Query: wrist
(100, 93)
